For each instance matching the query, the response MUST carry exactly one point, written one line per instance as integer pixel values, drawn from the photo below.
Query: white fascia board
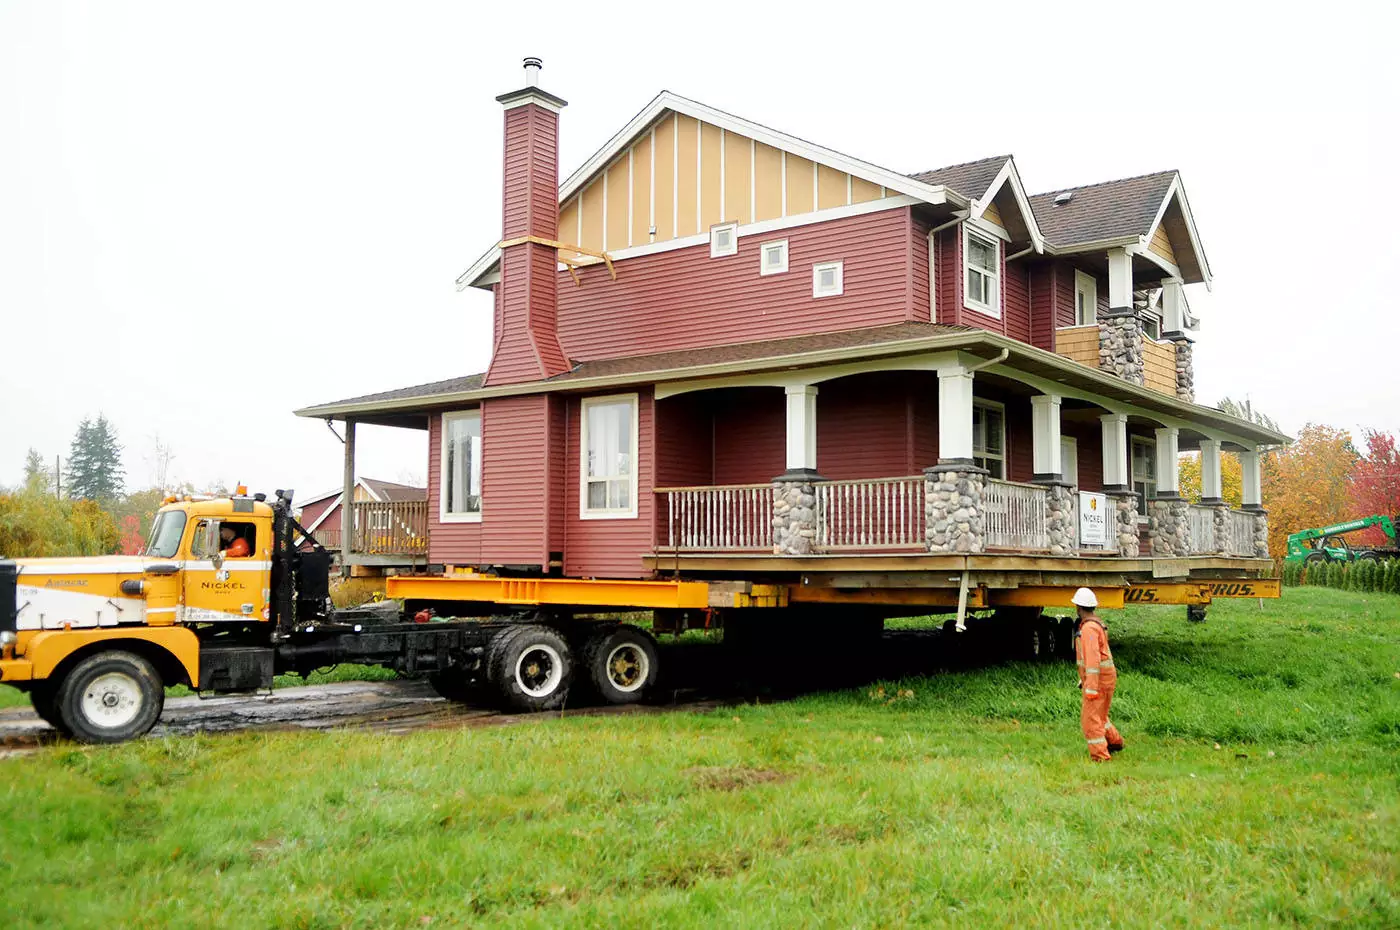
(472, 276)
(1009, 175)
(325, 513)
(1179, 192)
(928, 193)
(1099, 245)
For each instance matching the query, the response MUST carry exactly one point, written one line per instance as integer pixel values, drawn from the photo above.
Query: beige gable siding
(1162, 245)
(685, 175)
(993, 215)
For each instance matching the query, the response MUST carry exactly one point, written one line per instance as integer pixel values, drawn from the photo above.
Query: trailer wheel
(622, 664)
(1196, 613)
(110, 697)
(531, 667)
(44, 697)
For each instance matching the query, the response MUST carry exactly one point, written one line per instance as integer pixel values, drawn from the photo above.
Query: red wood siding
(527, 345)
(1089, 440)
(1016, 289)
(1042, 305)
(683, 298)
(1064, 295)
(949, 266)
(557, 528)
(312, 512)
(1020, 448)
(448, 543)
(685, 454)
(750, 435)
(864, 428)
(919, 271)
(515, 444)
(610, 548)
(530, 202)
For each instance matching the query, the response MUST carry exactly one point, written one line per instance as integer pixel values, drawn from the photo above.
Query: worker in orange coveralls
(1097, 678)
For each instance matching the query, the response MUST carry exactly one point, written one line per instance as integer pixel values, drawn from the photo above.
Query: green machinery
(1327, 543)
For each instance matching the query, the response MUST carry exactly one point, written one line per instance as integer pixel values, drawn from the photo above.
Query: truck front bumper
(12, 670)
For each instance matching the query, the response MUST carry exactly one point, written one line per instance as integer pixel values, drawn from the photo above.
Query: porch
(390, 529)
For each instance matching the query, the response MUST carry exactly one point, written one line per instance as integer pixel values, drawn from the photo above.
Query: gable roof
(971, 178)
(392, 491)
(668, 101)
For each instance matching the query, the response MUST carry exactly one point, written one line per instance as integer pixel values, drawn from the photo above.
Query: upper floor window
(724, 240)
(608, 466)
(989, 437)
(980, 257)
(461, 467)
(1086, 299)
(826, 279)
(773, 257)
(1144, 467)
(1151, 325)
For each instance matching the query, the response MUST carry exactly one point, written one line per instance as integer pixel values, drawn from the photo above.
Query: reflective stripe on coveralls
(1092, 647)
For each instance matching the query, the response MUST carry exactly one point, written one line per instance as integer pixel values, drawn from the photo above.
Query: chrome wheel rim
(628, 667)
(539, 670)
(112, 700)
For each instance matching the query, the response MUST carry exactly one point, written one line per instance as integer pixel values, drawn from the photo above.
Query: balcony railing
(718, 519)
(383, 528)
(879, 513)
(1242, 533)
(1015, 515)
(1239, 528)
(1202, 523)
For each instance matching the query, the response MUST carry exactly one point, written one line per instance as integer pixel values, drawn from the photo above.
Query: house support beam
(1045, 438)
(1115, 452)
(802, 429)
(1168, 462)
(1169, 523)
(1210, 472)
(795, 490)
(1120, 281)
(1253, 501)
(955, 415)
(347, 499)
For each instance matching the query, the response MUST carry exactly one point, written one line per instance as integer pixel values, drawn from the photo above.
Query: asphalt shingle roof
(450, 386)
(1107, 210)
(971, 179)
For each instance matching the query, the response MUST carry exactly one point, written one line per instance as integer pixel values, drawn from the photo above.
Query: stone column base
(1060, 518)
(1169, 527)
(953, 507)
(1261, 531)
(794, 515)
(1125, 526)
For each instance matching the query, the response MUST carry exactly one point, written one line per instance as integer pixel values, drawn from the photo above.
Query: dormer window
(981, 259)
(826, 279)
(773, 257)
(724, 240)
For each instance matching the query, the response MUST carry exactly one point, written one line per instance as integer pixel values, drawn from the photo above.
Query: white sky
(211, 214)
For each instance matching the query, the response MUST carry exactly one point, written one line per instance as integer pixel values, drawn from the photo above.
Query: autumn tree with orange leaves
(1308, 483)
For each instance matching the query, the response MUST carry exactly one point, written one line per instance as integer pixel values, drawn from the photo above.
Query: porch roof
(794, 353)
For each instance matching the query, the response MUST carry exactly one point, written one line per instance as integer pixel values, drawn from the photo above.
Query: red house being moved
(722, 349)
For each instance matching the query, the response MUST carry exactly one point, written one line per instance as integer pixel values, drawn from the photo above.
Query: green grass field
(1261, 786)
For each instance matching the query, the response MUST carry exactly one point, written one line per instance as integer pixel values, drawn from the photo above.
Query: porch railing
(1202, 523)
(1241, 533)
(390, 527)
(877, 513)
(724, 518)
(1015, 515)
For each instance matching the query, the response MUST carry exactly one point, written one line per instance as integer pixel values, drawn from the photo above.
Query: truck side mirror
(206, 543)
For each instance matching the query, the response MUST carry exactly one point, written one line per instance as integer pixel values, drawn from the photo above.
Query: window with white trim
(826, 279)
(1151, 325)
(1144, 470)
(608, 458)
(981, 263)
(724, 240)
(773, 257)
(1086, 299)
(989, 437)
(461, 467)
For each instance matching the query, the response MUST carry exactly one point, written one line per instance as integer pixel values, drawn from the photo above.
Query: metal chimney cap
(532, 71)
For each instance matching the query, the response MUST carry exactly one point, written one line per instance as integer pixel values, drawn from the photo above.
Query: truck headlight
(7, 637)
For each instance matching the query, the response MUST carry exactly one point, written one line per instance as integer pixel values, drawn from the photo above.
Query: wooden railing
(1015, 515)
(725, 518)
(875, 513)
(1242, 533)
(390, 527)
(1202, 522)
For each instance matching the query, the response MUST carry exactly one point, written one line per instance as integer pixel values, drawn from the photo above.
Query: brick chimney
(526, 345)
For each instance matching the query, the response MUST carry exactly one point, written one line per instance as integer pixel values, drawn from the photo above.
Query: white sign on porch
(1093, 519)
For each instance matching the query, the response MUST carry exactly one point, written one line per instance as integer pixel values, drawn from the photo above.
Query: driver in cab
(231, 545)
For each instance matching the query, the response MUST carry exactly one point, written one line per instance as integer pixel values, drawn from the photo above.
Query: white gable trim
(1178, 191)
(1009, 175)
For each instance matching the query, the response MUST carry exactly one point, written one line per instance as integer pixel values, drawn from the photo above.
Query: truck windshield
(166, 533)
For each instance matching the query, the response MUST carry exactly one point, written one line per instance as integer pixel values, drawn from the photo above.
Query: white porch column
(802, 428)
(954, 415)
(1120, 280)
(1115, 451)
(1249, 464)
(1173, 306)
(1210, 471)
(1045, 437)
(347, 501)
(1168, 466)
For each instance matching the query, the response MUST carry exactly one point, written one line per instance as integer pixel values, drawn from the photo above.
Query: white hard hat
(1084, 598)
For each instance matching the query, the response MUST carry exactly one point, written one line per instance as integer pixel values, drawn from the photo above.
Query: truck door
(227, 572)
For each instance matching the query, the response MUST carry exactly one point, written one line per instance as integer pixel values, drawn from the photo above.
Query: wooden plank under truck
(232, 591)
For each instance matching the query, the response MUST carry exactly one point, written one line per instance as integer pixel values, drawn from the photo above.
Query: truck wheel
(622, 664)
(531, 667)
(111, 697)
(1313, 557)
(44, 697)
(1196, 613)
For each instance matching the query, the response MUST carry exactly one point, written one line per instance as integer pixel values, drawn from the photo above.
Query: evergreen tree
(37, 479)
(94, 463)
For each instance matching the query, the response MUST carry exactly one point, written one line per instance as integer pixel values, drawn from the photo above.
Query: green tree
(1246, 411)
(36, 474)
(39, 524)
(95, 470)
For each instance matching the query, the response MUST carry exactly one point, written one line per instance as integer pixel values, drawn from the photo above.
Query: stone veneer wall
(1126, 526)
(1185, 371)
(953, 508)
(1169, 526)
(1261, 534)
(794, 517)
(1120, 346)
(1220, 514)
(1060, 518)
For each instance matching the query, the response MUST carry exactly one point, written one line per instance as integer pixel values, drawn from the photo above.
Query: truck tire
(44, 697)
(110, 697)
(622, 664)
(1368, 557)
(531, 667)
(1313, 557)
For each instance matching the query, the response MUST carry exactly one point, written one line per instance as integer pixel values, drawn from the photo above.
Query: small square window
(724, 240)
(773, 257)
(826, 279)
